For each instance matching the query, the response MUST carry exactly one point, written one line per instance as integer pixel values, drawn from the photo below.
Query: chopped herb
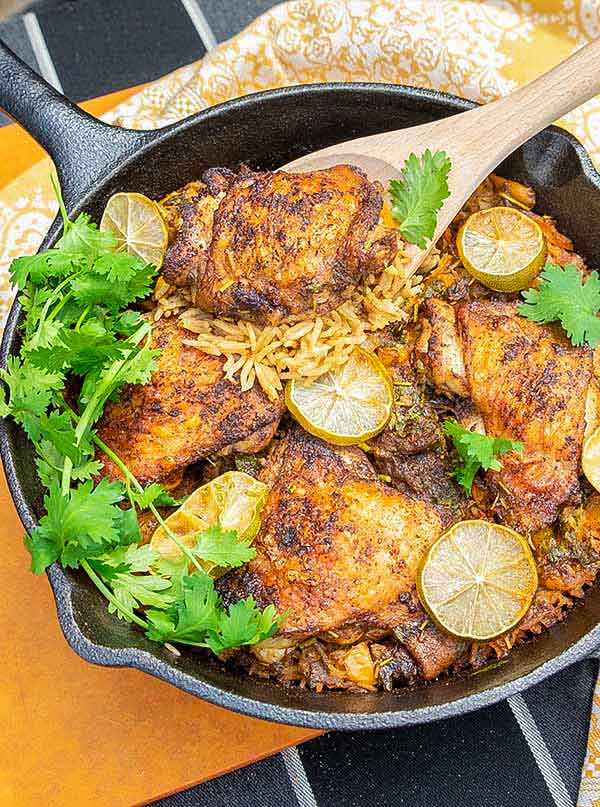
(226, 284)
(564, 296)
(199, 619)
(476, 451)
(419, 195)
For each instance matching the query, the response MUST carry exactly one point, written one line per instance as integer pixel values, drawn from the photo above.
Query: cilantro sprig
(198, 618)
(78, 326)
(419, 195)
(564, 296)
(476, 451)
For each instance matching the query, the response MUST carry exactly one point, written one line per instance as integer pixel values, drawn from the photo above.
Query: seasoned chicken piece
(529, 384)
(337, 548)
(411, 449)
(285, 244)
(189, 214)
(188, 411)
(433, 650)
(441, 350)
(568, 556)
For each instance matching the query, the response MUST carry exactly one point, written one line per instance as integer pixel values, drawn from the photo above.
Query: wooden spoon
(476, 141)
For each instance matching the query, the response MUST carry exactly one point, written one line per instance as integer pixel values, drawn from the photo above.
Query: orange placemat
(75, 734)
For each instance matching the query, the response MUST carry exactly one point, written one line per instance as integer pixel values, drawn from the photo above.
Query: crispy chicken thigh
(529, 384)
(189, 214)
(188, 411)
(265, 246)
(337, 548)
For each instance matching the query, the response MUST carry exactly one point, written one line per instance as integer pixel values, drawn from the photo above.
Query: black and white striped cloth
(526, 752)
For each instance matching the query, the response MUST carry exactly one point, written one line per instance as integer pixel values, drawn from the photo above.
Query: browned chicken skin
(266, 246)
(189, 214)
(337, 548)
(411, 449)
(529, 384)
(188, 411)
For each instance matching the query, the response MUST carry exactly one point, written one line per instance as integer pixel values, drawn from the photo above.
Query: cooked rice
(300, 348)
(307, 347)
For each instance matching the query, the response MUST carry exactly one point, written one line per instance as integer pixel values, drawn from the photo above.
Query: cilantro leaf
(127, 558)
(199, 618)
(76, 526)
(57, 429)
(98, 288)
(563, 295)
(244, 624)
(140, 366)
(176, 569)
(154, 494)
(126, 322)
(476, 451)
(79, 351)
(86, 470)
(50, 464)
(138, 369)
(41, 267)
(127, 525)
(191, 617)
(30, 393)
(119, 267)
(83, 239)
(133, 590)
(419, 195)
(222, 547)
(123, 569)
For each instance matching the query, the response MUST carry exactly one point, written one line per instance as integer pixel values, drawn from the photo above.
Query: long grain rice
(302, 347)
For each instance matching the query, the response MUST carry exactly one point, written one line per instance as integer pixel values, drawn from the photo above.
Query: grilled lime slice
(138, 225)
(344, 406)
(502, 247)
(478, 580)
(233, 500)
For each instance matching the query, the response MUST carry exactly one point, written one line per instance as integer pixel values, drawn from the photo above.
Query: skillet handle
(83, 148)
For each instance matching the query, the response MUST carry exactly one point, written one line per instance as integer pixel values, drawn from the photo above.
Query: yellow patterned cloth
(477, 49)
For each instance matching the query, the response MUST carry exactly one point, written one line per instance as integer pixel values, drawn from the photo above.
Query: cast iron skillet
(267, 130)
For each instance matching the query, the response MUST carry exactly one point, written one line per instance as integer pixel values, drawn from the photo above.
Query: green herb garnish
(199, 619)
(564, 296)
(419, 195)
(476, 451)
(76, 299)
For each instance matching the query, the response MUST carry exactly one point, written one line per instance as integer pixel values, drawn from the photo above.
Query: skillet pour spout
(267, 130)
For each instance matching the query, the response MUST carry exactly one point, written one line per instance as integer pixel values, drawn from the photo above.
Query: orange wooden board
(75, 734)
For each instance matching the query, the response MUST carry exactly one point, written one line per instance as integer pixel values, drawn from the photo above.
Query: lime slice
(344, 406)
(478, 580)
(590, 459)
(234, 500)
(138, 225)
(502, 247)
